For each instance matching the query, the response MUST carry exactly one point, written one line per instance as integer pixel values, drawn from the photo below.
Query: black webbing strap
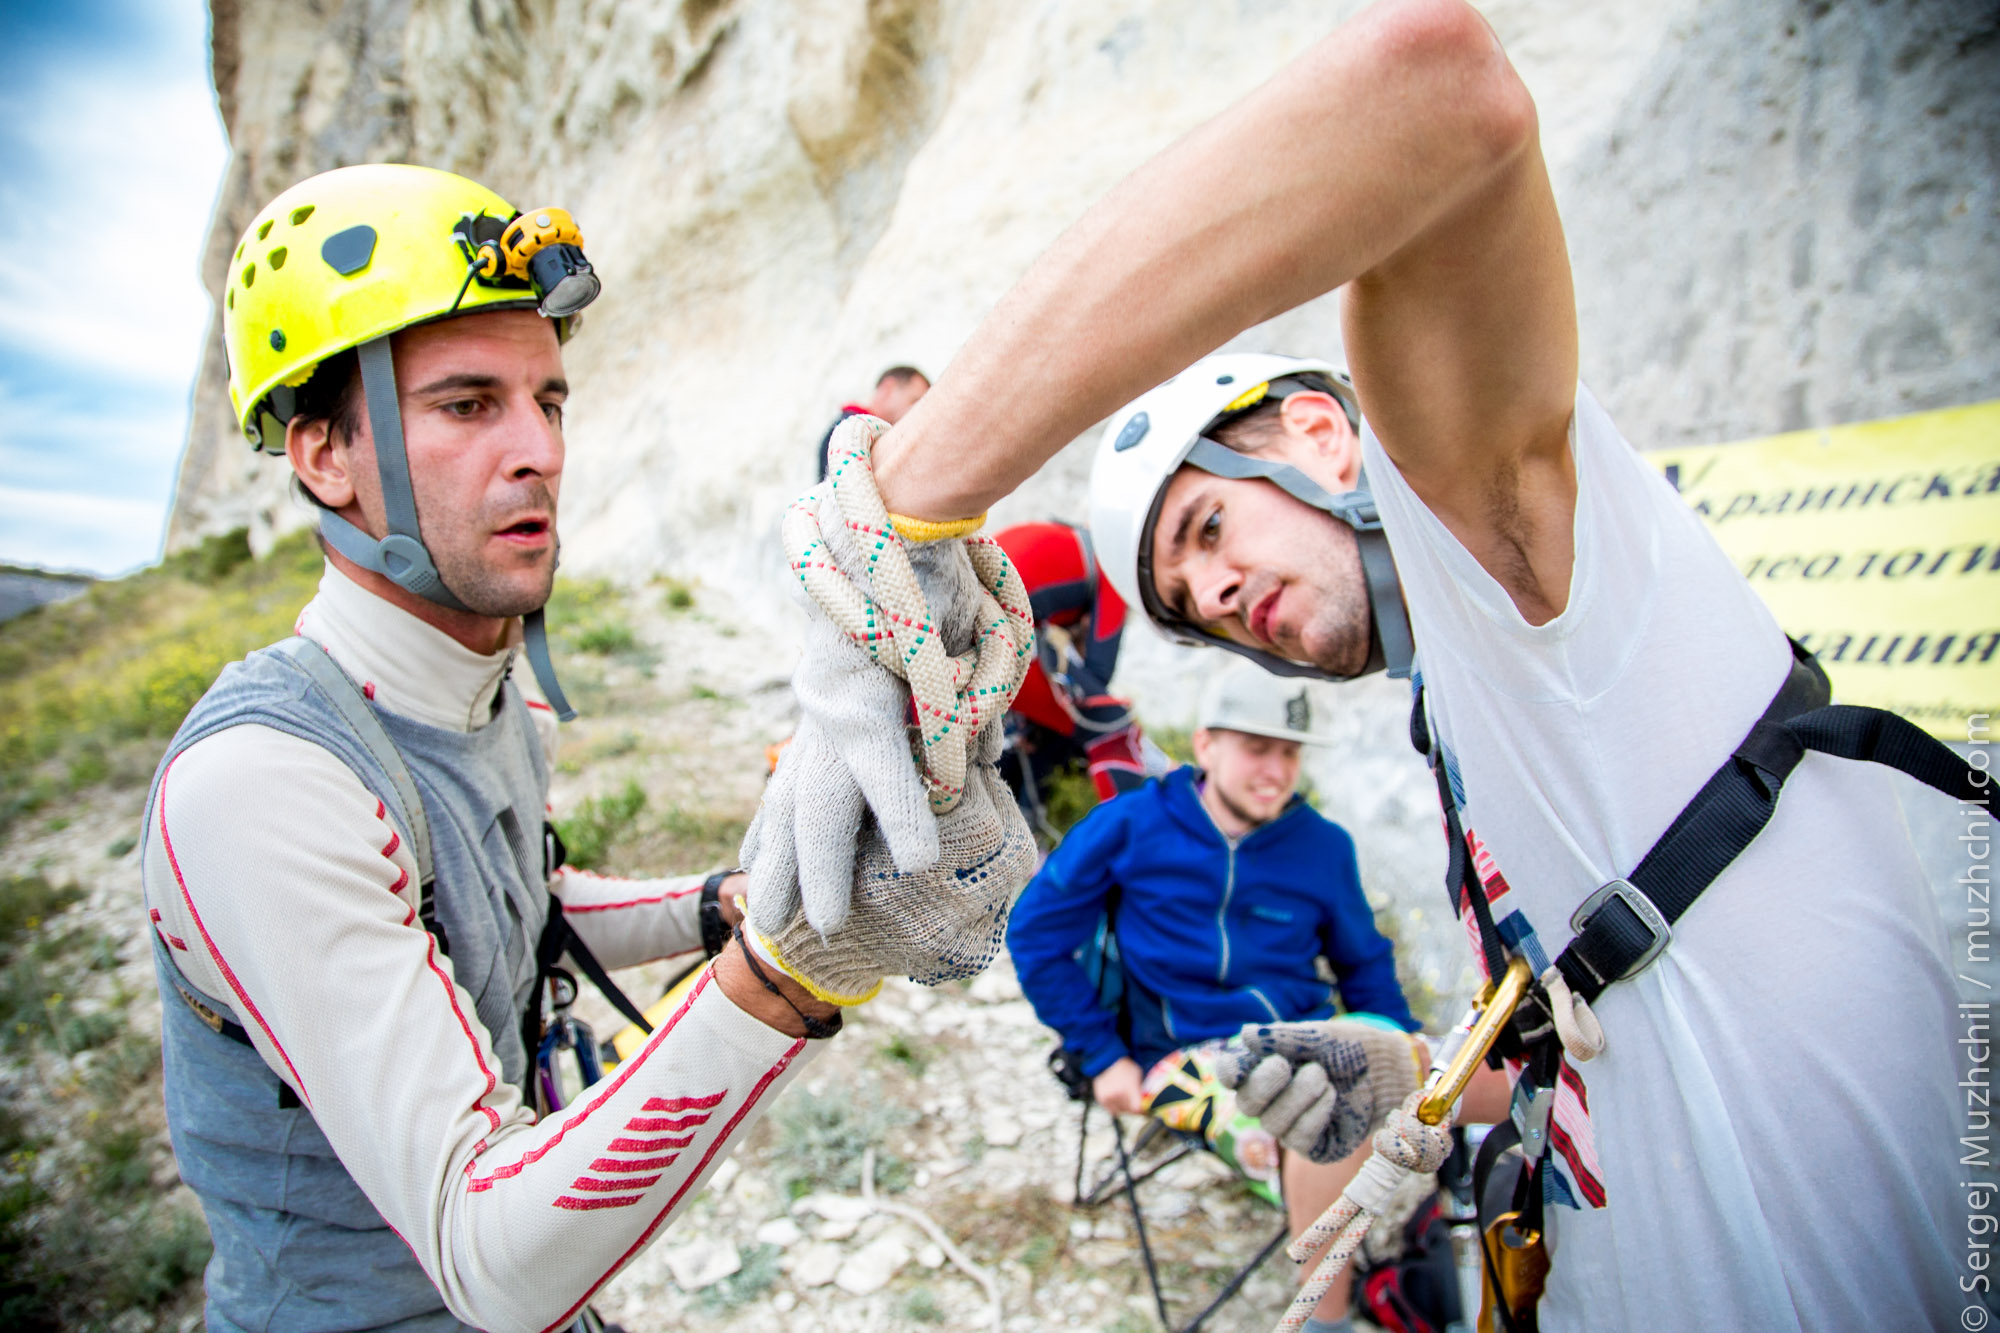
(1461, 877)
(559, 938)
(1735, 804)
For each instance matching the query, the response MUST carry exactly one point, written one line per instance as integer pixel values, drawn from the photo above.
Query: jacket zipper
(1222, 912)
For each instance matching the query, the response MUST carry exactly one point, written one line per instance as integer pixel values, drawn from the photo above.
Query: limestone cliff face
(1780, 214)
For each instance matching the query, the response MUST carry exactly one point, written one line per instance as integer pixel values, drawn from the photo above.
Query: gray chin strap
(401, 557)
(1390, 643)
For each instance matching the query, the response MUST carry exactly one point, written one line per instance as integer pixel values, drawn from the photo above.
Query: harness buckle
(1641, 912)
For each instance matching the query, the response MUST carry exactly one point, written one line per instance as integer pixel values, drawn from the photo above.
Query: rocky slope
(1779, 215)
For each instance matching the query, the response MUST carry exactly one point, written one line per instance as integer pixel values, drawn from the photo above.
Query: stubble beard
(1230, 803)
(1340, 640)
(501, 587)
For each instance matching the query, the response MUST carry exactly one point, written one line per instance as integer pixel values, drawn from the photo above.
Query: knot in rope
(1404, 1146)
(955, 696)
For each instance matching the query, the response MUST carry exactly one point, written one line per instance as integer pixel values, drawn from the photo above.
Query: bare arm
(1398, 154)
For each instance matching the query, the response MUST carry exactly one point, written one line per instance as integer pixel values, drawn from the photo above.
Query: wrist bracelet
(817, 1029)
(714, 930)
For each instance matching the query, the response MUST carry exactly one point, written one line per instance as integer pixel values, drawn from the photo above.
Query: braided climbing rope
(954, 696)
(1404, 1146)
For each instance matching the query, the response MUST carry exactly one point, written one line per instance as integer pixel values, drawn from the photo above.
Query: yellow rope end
(927, 530)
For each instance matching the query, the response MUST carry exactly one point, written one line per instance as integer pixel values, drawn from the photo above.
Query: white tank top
(1770, 1138)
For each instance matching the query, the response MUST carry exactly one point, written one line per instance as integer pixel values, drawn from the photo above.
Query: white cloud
(110, 277)
(78, 530)
(109, 160)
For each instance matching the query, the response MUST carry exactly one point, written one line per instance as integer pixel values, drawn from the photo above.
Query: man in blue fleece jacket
(1225, 888)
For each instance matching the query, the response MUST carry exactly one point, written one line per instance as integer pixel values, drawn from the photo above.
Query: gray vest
(297, 1244)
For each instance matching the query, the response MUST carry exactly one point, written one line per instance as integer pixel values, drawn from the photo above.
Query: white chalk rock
(870, 1268)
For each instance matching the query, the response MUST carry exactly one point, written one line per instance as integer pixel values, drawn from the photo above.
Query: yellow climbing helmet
(355, 254)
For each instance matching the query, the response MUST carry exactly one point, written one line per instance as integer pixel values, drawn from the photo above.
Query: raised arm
(1399, 154)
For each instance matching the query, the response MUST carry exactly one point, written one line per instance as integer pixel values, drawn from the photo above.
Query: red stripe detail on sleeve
(648, 1145)
(683, 1103)
(221, 963)
(168, 935)
(536, 703)
(478, 1056)
(581, 1205)
(388, 853)
(617, 1081)
(670, 895)
(636, 1164)
(593, 1185)
(665, 1124)
(784, 1062)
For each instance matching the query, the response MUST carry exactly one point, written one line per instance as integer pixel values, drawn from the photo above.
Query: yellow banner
(1876, 545)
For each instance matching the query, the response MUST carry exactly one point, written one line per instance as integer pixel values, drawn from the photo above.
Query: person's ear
(1204, 747)
(1322, 422)
(322, 463)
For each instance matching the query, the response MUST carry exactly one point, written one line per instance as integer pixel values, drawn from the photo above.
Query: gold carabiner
(1458, 1061)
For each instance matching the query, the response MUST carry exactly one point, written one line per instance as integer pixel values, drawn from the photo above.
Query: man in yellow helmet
(356, 907)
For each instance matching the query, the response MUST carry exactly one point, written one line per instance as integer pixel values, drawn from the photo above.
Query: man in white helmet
(1772, 1004)
(1225, 889)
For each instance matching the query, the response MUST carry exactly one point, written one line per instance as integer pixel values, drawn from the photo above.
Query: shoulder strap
(1616, 938)
(1461, 877)
(341, 691)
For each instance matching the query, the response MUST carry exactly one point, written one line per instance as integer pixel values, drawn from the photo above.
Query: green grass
(921, 1306)
(675, 594)
(911, 1055)
(84, 1236)
(91, 688)
(588, 616)
(1177, 742)
(819, 1139)
(1069, 796)
(599, 822)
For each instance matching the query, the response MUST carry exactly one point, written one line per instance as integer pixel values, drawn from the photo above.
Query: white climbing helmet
(1152, 437)
(1245, 697)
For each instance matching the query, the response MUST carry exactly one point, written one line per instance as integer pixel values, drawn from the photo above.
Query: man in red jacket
(1065, 710)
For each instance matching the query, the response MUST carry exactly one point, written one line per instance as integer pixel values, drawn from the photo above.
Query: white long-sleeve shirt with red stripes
(279, 888)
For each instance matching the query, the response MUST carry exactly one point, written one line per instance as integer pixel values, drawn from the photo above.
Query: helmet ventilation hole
(264, 230)
(230, 298)
(301, 214)
(249, 275)
(276, 259)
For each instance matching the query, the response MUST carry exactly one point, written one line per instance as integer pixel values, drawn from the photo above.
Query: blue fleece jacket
(1212, 935)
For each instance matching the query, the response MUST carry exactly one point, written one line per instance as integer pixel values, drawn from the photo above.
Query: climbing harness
(954, 696)
(1621, 929)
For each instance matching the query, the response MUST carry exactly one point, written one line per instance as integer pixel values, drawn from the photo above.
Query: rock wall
(1780, 214)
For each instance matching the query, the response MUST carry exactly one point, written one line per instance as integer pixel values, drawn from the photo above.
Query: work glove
(846, 847)
(1322, 1087)
(936, 924)
(853, 750)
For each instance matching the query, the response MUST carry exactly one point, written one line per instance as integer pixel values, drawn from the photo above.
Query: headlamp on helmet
(539, 250)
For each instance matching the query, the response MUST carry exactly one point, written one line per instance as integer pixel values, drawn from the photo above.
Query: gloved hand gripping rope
(955, 696)
(1414, 1140)
(872, 854)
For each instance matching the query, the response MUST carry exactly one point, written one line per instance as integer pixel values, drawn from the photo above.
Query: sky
(111, 153)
